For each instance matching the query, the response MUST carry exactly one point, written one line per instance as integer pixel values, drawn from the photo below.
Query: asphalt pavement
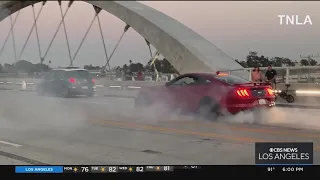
(101, 130)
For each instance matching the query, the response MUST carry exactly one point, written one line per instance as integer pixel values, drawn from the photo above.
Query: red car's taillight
(72, 80)
(270, 91)
(242, 93)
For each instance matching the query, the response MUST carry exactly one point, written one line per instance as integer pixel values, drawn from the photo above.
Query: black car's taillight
(72, 80)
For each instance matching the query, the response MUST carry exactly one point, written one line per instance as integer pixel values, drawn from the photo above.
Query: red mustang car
(209, 94)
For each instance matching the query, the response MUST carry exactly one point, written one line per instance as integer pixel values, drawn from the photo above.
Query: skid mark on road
(247, 129)
(181, 131)
(21, 158)
(177, 131)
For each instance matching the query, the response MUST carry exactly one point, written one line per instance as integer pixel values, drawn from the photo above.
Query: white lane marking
(9, 143)
(100, 103)
(134, 87)
(115, 86)
(99, 85)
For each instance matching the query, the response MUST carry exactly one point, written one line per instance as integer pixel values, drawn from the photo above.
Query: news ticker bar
(141, 169)
(98, 169)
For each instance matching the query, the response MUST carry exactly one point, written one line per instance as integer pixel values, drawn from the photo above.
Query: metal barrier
(26, 85)
(164, 77)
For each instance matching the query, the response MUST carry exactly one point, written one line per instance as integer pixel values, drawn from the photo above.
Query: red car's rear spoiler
(255, 84)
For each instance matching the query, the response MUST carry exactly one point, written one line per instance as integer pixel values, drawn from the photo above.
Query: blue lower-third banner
(284, 153)
(39, 169)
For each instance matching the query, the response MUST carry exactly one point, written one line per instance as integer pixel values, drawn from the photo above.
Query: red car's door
(174, 89)
(188, 91)
(190, 95)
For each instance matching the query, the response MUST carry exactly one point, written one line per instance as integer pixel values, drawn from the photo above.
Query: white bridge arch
(186, 50)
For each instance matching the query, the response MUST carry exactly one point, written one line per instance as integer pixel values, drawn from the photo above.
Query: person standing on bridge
(140, 76)
(256, 75)
(118, 74)
(271, 76)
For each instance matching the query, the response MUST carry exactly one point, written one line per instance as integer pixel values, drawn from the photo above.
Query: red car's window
(184, 81)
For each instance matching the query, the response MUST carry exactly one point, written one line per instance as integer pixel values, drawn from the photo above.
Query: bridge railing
(162, 77)
(303, 74)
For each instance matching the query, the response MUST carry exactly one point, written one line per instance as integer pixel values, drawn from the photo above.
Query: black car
(66, 83)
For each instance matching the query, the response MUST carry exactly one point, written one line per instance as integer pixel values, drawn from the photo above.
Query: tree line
(255, 60)
(24, 66)
(161, 65)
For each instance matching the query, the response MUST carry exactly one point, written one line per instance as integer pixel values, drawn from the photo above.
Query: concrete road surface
(99, 130)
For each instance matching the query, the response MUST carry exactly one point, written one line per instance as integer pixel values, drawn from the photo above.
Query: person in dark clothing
(271, 76)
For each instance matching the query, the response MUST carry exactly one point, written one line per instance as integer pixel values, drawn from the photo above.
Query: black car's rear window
(230, 79)
(77, 74)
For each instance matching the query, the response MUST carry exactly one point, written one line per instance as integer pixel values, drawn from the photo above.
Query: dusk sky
(234, 27)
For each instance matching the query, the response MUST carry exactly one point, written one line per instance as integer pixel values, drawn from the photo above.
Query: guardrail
(10, 82)
(301, 89)
(162, 77)
(25, 85)
(301, 74)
